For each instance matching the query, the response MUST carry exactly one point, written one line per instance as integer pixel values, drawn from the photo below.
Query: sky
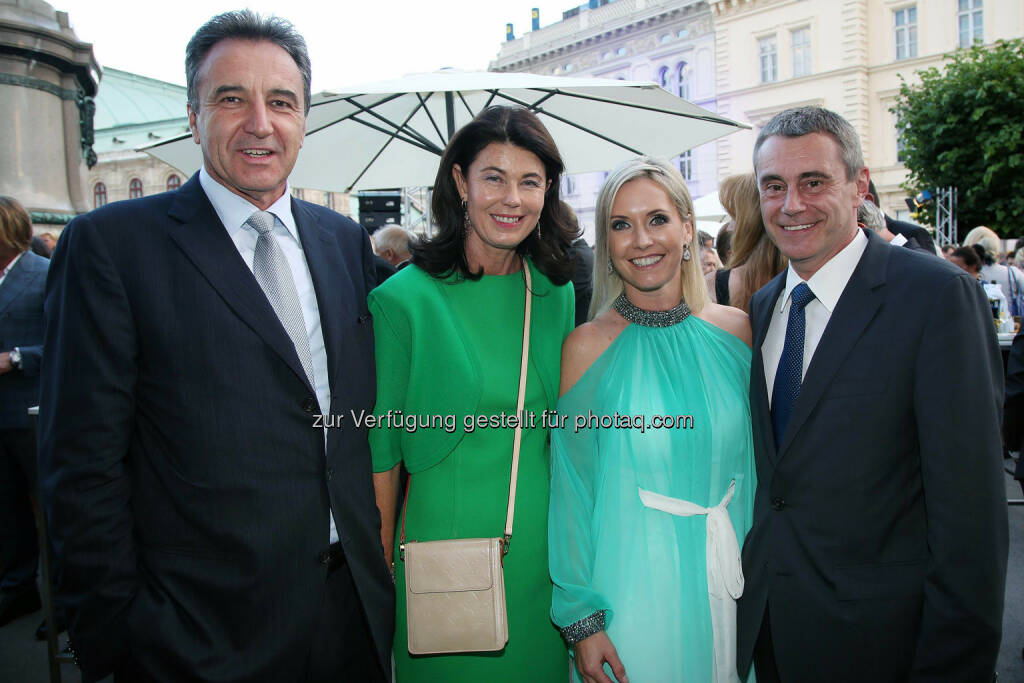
(349, 42)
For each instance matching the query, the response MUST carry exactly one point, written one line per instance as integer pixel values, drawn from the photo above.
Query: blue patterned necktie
(791, 364)
(275, 277)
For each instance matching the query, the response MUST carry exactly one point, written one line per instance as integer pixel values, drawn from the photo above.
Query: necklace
(641, 316)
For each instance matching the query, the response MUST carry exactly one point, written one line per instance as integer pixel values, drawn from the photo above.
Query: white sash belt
(725, 572)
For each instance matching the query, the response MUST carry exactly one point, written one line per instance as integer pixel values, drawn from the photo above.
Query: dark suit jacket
(21, 325)
(582, 256)
(917, 237)
(187, 487)
(879, 537)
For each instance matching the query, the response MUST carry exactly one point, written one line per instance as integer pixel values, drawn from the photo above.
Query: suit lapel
(14, 283)
(206, 243)
(857, 305)
(760, 410)
(327, 268)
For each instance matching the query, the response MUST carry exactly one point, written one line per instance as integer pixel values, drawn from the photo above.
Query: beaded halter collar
(645, 318)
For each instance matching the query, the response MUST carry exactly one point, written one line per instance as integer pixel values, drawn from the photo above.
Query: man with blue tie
(879, 540)
(207, 528)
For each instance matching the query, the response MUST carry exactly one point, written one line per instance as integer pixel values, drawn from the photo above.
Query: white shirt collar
(10, 266)
(234, 210)
(830, 280)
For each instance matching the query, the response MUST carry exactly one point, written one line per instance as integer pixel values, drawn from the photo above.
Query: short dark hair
(15, 225)
(445, 253)
(800, 121)
(970, 257)
(245, 25)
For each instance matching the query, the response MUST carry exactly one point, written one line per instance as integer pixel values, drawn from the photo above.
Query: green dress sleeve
(392, 350)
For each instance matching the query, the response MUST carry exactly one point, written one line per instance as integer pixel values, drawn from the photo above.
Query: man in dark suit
(879, 540)
(207, 526)
(22, 281)
(914, 236)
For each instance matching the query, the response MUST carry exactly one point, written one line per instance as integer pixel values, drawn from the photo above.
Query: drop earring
(465, 216)
(686, 252)
(611, 269)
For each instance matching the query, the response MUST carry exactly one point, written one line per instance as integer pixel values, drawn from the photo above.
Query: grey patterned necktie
(275, 277)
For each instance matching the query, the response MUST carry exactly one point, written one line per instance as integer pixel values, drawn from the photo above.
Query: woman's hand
(592, 653)
(385, 486)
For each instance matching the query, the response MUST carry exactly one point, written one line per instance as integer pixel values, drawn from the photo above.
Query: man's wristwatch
(16, 357)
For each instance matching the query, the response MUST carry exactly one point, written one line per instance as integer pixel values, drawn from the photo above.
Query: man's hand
(592, 653)
(5, 362)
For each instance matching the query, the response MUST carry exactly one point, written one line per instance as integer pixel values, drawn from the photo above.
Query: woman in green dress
(648, 508)
(449, 332)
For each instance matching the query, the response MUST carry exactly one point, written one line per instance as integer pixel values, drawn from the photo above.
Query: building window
(297, 192)
(969, 22)
(802, 52)
(667, 38)
(134, 188)
(905, 28)
(683, 80)
(662, 78)
(173, 182)
(621, 52)
(769, 59)
(900, 144)
(686, 165)
(329, 200)
(99, 195)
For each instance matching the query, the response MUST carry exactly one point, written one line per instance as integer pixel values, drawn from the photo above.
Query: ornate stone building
(847, 55)
(669, 42)
(750, 59)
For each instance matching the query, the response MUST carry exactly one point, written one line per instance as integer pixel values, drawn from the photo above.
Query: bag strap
(510, 515)
(517, 440)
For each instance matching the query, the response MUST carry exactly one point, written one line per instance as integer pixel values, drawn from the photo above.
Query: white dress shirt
(233, 211)
(827, 285)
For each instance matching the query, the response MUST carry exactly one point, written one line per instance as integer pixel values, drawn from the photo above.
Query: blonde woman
(652, 476)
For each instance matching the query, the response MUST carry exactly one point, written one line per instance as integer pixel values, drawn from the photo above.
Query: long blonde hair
(608, 285)
(751, 246)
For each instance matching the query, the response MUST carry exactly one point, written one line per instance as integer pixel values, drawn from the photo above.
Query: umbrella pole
(449, 110)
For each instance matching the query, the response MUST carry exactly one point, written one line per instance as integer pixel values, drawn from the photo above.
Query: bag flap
(462, 564)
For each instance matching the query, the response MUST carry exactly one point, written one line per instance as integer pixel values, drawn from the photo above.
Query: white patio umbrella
(392, 133)
(709, 208)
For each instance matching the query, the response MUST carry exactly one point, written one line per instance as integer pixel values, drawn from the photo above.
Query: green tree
(964, 126)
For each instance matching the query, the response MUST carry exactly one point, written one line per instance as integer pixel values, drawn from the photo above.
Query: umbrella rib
(424, 142)
(395, 133)
(645, 107)
(574, 125)
(536, 105)
(465, 104)
(426, 110)
(351, 101)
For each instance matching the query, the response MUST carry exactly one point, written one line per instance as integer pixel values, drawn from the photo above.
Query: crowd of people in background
(773, 453)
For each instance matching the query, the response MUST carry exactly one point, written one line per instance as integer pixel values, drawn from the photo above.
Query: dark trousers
(764, 654)
(19, 544)
(342, 648)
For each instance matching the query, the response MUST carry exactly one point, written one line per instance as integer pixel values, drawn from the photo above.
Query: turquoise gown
(611, 550)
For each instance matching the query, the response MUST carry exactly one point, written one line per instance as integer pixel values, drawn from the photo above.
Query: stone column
(48, 79)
